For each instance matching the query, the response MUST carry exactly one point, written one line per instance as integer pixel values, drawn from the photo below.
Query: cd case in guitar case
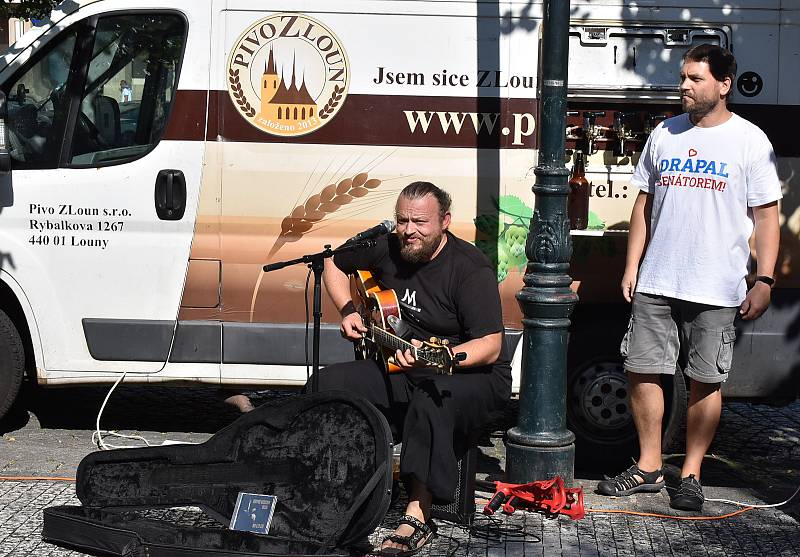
(326, 458)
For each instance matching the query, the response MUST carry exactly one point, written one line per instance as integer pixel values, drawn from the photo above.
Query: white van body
(267, 129)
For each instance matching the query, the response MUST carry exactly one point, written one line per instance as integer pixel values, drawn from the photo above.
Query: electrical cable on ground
(494, 529)
(668, 516)
(748, 507)
(753, 505)
(98, 434)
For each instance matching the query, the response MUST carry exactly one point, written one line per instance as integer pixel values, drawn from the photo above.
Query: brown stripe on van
(187, 119)
(400, 120)
(382, 120)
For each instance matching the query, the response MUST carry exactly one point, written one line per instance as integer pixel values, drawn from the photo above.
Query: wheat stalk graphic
(329, 200)
(238, 94)
(332, 103)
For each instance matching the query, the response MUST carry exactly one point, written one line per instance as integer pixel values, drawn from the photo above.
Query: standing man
(707, 181)
(446, 289)
(126, 93)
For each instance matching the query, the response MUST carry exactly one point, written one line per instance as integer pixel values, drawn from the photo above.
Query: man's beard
(422, 251)
(699, 108)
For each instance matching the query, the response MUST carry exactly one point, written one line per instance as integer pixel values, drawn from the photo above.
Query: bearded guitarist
(446, 289)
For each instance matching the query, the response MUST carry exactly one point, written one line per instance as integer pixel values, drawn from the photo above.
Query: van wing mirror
(5, 156)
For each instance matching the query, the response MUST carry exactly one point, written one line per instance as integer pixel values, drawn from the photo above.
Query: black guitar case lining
(326, 457)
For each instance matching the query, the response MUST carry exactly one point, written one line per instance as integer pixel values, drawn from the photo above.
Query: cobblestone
(755, 458)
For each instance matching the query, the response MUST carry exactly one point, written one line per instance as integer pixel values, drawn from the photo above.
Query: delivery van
(157, 154)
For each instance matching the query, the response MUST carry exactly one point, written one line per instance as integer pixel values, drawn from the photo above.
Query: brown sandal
(419, 538)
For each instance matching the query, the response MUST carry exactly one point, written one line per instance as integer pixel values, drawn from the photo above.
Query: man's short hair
(720, 60)
(418, 190)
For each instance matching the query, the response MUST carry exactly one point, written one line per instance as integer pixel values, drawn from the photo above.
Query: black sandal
(419, 538)
(633, 480)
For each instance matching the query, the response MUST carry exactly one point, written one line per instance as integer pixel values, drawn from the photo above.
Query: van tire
(598, 413)
(12, 363)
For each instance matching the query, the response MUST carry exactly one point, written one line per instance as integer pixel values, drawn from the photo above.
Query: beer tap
(591, 131)
(570, 130)
(622, 134)
(652, 121)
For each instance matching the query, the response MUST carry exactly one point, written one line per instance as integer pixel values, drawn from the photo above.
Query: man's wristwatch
(769, 281)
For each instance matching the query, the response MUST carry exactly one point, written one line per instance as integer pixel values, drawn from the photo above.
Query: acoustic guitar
(380, 311)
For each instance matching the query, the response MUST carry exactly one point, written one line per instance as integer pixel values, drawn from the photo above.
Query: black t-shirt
(454, 296)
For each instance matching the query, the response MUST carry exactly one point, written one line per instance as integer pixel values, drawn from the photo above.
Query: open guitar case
(327, 457)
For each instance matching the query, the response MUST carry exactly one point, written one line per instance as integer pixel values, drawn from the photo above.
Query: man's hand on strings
(405, 359)
(352, 327)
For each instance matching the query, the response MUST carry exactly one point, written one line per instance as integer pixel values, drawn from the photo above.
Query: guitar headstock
(438, 354)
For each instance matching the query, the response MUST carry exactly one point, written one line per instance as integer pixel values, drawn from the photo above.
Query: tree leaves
(27, 9)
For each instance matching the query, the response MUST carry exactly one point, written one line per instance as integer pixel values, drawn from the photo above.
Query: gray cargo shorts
(662, 328)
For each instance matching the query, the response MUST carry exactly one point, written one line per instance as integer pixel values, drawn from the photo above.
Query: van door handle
(170, 195)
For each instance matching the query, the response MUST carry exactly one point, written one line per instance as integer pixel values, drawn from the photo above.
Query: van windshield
(37, 106)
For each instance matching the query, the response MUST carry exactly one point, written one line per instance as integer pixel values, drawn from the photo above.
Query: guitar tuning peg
(434, 340)
(445, 342)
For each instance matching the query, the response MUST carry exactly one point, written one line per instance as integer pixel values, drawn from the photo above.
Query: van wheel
(12, 363)
(598, 412)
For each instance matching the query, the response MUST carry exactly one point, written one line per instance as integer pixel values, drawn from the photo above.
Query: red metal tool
(549, 497)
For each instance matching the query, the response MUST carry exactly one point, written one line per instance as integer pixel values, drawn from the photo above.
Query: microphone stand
(316, 262)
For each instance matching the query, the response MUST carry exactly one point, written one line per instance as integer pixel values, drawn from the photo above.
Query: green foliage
(487, 224)
(27, 9)
(513, 206)
(506, 234)
(489, 249)
(595, 222)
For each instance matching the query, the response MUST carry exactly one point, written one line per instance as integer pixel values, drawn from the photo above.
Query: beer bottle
(578, 201)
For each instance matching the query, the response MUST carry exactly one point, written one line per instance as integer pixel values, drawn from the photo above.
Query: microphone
(378, 230)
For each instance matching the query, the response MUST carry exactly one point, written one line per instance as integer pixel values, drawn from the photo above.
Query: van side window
(37, 107)
(130, 85)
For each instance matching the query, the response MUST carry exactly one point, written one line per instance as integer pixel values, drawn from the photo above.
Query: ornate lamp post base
(541, 446)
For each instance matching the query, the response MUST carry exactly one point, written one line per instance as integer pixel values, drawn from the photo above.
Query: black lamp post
(541, 446)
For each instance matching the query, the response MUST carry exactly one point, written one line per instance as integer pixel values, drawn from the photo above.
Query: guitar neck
(438, 357)
(388, 340)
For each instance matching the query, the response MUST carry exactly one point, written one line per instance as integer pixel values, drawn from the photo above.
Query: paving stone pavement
(755, 458)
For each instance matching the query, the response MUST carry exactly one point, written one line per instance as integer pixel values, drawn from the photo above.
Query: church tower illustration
(281, 103)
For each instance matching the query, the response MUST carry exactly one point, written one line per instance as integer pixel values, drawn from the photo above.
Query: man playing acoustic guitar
(446, 289)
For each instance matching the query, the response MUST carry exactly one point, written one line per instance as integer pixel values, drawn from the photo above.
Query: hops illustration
(515, 237)
(502, 235)
(503, 261)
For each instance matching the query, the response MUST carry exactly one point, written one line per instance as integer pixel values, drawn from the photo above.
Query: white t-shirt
(703, 181)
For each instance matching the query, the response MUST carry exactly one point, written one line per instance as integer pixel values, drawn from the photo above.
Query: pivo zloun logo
(288, 74)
